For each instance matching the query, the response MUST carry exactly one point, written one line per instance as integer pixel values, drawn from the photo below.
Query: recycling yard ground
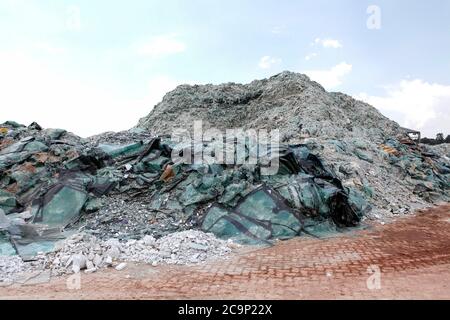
(412, 254)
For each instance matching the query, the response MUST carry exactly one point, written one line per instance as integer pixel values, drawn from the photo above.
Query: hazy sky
(94, 66)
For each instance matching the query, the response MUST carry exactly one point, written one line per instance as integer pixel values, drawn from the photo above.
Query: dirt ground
(406, 259)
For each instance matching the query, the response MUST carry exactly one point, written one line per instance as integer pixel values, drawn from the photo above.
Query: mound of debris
(54, 183)
(289, 101)
(11, 267)
(85, 252)
(367, 151)
(69, 203)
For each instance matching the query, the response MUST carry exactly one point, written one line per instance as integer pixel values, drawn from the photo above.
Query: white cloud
(310, 56)
(328, 43)
(415, 104)
(32, 91)
(331, 78)
(267, 62)
(73, 21)
(160, 46)
(277, 29)
(49, 48)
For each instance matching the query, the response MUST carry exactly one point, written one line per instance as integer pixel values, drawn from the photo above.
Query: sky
(96, 66)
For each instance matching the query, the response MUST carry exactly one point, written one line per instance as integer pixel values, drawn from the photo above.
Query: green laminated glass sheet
(63, 207)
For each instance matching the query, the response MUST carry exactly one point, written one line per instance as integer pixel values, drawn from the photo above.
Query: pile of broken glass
(50, 179)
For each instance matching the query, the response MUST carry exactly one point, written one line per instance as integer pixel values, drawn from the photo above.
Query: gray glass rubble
(49, 179)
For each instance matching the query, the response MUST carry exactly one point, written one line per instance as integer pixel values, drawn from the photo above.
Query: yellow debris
(388, 149)
(3, 130)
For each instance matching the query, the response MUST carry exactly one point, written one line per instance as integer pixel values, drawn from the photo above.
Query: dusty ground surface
(406, 259)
